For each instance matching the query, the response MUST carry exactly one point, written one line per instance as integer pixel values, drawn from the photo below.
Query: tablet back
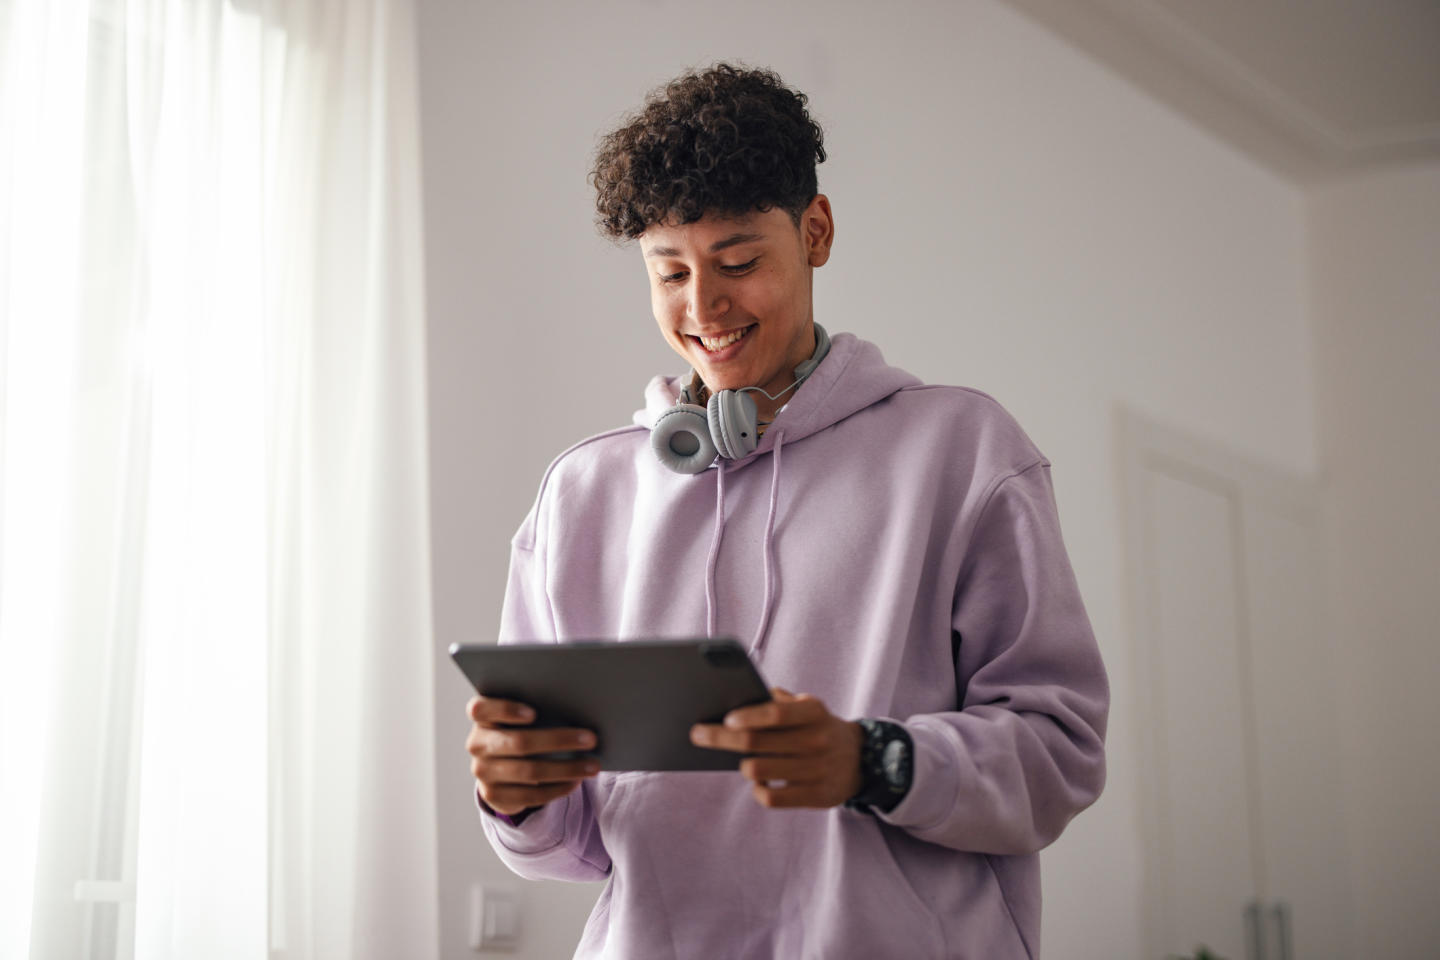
(639, 696)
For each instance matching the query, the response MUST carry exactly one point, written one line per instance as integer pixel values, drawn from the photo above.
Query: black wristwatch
(887, 765)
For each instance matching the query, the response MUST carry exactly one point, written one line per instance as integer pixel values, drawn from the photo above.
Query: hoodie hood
(853, 376)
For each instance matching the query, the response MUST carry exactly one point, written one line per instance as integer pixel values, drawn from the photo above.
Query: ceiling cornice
(1163, 55)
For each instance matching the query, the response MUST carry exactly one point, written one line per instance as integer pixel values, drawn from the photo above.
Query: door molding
(1147, 447)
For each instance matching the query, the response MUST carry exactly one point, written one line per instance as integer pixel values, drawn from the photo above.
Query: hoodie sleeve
(561, 840)
(1025, 752)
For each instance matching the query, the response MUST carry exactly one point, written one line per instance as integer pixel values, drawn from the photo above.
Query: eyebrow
(733, 240)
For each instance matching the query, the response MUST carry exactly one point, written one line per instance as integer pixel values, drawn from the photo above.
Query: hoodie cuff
(934, 785)
(513, 820)
(532, 831)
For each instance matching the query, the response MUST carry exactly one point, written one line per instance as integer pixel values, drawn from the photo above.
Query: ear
(817, 230)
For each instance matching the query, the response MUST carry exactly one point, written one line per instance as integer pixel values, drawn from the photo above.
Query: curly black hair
(726, 140)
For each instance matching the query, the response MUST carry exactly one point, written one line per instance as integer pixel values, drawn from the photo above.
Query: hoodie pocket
(896, 886)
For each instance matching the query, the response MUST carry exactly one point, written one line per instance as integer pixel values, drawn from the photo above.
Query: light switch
(494, 918)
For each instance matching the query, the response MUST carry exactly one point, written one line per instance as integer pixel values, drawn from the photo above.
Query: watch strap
(884, 780)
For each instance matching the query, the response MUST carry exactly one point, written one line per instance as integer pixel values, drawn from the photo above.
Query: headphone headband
(822, 347)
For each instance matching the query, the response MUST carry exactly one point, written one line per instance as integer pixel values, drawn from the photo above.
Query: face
(733, 295)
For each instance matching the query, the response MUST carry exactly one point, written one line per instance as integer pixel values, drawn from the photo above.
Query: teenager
(888, 551)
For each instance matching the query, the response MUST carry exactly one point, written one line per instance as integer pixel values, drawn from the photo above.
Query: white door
(1300, 784)
(1239, 757)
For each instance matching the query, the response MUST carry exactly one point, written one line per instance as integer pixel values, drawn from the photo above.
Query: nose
(708, 299)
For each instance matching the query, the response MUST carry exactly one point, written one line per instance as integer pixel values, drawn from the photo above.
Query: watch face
(893, 759)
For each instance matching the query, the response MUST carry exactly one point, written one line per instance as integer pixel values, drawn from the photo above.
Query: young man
(888, 550)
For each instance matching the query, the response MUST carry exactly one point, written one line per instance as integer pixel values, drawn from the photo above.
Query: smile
(715, 344)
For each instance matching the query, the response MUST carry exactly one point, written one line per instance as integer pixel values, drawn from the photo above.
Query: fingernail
(733, 722)
(524, 714)
(587, 739)
(699, 735)
(592, 768)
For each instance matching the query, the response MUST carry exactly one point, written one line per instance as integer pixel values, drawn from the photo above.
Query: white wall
(1375, 245)
(1009, 216)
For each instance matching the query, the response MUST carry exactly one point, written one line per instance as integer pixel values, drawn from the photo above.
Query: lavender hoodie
(892, 548)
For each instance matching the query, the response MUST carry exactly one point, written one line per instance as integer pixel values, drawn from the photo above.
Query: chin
(728, 378)
(716, 383)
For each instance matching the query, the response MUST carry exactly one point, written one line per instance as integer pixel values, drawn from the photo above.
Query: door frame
(1147, 445)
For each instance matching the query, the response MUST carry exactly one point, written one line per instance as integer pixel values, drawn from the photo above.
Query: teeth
(719, 343)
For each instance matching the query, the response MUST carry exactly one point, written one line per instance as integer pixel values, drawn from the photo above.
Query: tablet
(639, 696)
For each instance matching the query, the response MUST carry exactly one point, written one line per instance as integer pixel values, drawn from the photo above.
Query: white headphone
(688, 437)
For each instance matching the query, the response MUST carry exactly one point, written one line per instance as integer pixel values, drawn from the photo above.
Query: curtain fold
(215, 668)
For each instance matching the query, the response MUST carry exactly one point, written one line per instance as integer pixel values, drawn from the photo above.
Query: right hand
(510, 781)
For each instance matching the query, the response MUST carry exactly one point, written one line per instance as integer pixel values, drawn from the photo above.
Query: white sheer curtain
(215, 675)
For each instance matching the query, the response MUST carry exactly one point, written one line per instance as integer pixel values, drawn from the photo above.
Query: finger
(792, 770)
(513, 799)
(511, 771)
(528, 742)
(794, 712)
(494, 710)
(787, 741)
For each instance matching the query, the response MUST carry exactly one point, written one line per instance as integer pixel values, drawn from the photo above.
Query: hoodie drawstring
(769, 546)
(769, 555)
(714, 549)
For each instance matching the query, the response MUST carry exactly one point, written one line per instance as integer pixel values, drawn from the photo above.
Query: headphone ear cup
(734, 423)
(681, 439)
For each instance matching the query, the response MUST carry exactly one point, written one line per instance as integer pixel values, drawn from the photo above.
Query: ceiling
(1311, 88)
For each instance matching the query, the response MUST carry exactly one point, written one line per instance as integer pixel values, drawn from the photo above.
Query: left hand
(800, 754)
